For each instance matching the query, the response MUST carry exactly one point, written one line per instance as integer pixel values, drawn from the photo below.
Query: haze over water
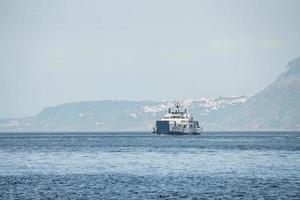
(55, 51)
(145, 166)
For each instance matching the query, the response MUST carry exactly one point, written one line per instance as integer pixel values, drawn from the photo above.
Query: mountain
(112, 115)
(277, 107)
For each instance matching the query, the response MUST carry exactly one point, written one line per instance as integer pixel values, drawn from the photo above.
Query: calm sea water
(146, 166)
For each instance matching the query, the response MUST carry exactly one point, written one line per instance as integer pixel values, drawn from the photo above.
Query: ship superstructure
(177, 122)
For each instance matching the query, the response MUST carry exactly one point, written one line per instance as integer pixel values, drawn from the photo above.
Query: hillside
(112, 115)
(277, 107)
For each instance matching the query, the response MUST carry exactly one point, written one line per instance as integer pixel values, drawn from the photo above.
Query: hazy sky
(55, 51)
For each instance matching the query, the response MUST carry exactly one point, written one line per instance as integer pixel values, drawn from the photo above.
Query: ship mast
(177, 106)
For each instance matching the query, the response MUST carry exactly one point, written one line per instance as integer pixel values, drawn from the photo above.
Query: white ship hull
(185, 131)
(164, 127)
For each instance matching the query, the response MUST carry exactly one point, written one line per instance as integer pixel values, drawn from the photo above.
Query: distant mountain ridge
(277, 107)
(112, 115)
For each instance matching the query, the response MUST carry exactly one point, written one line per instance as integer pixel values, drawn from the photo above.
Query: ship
(177, 122)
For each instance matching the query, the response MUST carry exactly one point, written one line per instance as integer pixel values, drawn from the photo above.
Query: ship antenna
(177, 106)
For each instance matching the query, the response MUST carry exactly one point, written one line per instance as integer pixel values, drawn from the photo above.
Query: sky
(59, 51)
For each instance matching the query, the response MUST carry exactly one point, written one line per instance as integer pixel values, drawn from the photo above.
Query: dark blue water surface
(145, 166)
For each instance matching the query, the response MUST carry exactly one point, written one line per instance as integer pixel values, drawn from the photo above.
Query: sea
(130, 165)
